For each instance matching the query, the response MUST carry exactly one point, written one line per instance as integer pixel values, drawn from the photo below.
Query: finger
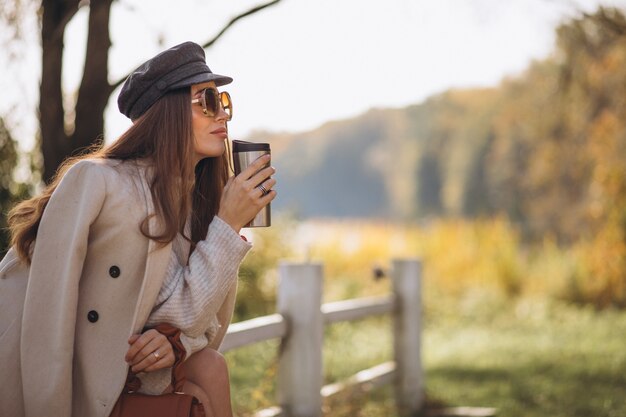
(267, 198)
(165, 362)
(146, 351)
(131, 350)
(255, 166)
(267, 185)
(144, 363)
(139, 343)
(135, 346)
(151, 363)
(261, 176)
(158, 352)
(150, 359)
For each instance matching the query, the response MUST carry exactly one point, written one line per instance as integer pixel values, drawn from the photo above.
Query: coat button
(114, 271)
(93, 316)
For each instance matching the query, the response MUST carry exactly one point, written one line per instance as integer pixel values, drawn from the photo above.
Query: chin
(212, 152)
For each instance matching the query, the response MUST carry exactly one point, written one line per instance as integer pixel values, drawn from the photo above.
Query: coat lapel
(156, 260)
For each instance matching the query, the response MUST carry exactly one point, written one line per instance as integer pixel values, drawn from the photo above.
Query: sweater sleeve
(191, 300)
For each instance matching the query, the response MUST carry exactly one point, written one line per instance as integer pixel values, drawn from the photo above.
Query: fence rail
(357, 309)
(300, 322)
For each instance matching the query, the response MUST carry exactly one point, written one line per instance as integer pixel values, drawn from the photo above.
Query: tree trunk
(95, 90)
(54, 140)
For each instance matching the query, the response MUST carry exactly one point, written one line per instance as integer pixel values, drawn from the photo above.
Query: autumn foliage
(544, 152)
(560, 140)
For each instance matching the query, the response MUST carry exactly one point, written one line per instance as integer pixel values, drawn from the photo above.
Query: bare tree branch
(71, 9)
(235, 19)
(216, 37)
(610, 19)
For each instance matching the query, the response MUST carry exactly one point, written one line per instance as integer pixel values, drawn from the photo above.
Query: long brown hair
(163, 135)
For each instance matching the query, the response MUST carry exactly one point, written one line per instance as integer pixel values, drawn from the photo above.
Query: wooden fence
(300, 323)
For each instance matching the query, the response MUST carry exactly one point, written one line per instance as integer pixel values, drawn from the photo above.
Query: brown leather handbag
(176, 404)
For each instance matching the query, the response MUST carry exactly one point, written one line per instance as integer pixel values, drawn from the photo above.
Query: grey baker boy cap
(180, 66)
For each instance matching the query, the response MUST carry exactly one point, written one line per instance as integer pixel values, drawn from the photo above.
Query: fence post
(406, 279)
(300, 363)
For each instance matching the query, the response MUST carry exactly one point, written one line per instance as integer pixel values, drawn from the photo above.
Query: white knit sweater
(193, 291)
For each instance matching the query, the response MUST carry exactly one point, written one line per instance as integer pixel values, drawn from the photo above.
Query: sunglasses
(212, 101)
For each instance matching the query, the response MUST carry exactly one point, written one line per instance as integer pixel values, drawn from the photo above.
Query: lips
(221, 133)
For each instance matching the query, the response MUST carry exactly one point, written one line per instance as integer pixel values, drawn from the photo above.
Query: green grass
(528, 358)
(533, 359)
(348, 348)
(253, 376)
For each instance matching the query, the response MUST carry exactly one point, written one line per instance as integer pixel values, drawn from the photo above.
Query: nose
(221, 115)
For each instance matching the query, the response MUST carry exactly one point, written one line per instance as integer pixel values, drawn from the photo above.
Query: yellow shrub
(459, 256)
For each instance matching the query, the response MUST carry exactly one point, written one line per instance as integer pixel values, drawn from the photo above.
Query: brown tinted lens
(227, 104)
(211, 100)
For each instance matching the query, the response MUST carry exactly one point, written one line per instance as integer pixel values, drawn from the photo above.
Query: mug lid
(243, 146)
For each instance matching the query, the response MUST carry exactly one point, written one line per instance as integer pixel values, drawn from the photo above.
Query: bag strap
(133, 383)
(173, 336)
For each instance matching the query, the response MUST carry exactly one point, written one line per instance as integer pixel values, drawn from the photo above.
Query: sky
(302, 63)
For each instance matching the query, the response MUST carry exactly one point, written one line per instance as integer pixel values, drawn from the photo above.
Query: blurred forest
(546, 149)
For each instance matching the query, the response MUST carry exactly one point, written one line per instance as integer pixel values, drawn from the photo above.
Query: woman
(141, 232)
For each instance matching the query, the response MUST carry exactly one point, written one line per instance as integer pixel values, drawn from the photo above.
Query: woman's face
(209, 133)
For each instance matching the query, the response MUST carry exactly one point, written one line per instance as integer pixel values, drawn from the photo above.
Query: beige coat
(94, 278)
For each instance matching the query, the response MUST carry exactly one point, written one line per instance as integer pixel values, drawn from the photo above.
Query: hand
(149, 351)
(242, 199)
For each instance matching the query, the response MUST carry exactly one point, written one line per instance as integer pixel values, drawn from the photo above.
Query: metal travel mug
(244, 153)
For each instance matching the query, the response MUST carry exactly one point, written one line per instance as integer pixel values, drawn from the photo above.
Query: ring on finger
(264, 190)
(156, 354)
